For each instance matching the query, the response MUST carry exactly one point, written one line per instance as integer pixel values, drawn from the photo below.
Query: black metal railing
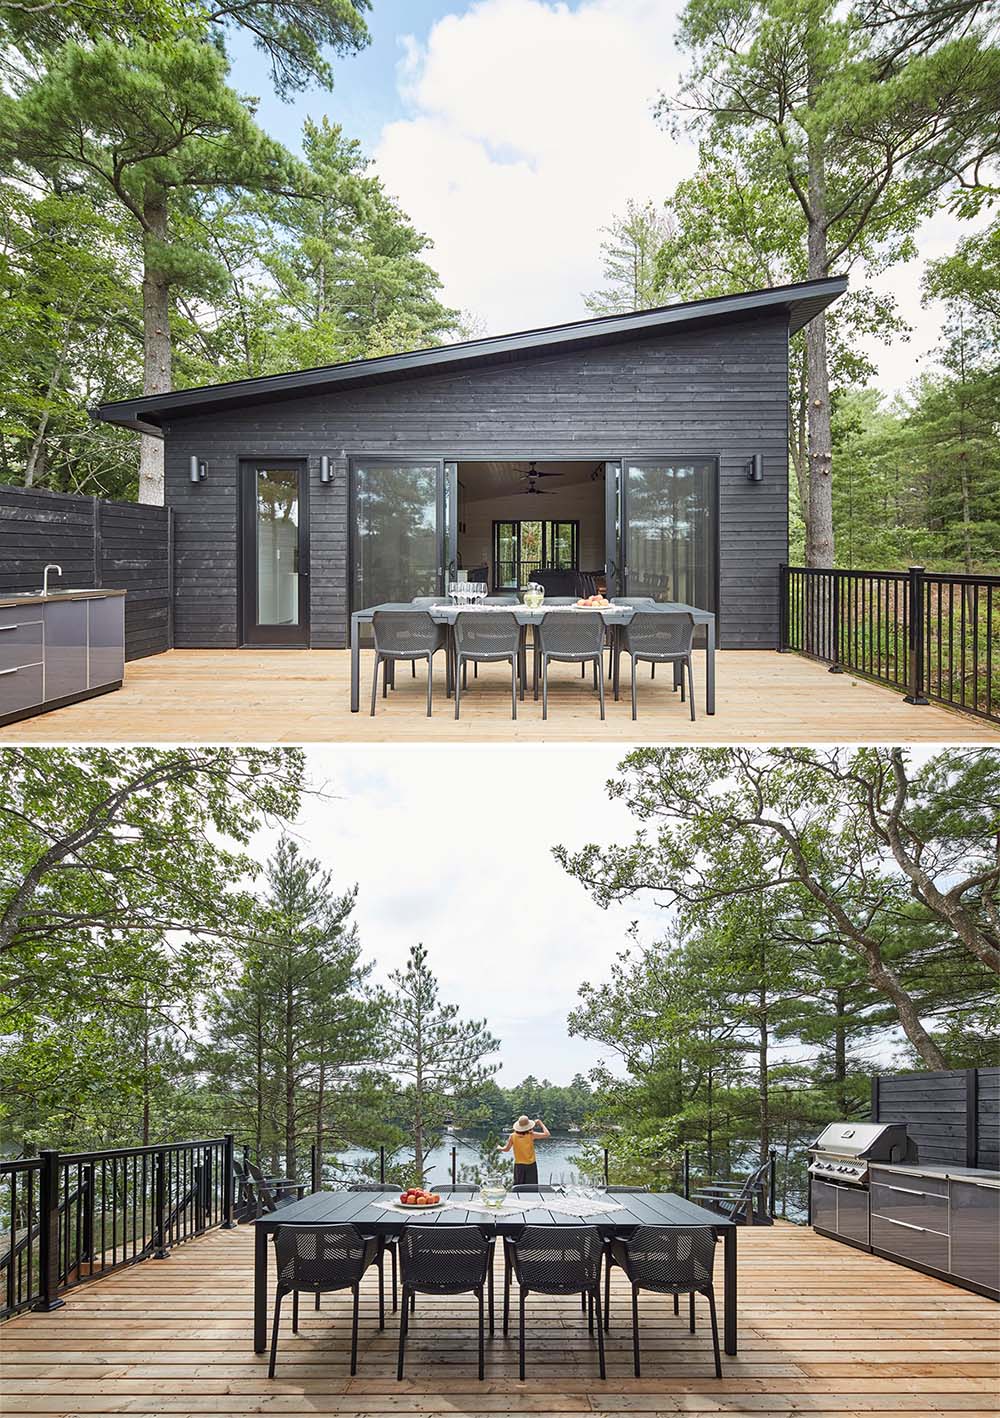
(68, 1218)
(930, 635)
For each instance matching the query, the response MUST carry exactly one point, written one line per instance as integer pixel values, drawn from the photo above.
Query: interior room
(517, 518)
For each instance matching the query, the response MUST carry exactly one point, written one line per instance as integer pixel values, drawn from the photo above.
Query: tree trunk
(762, 1063)
(259, 1070)
(840, 1055)
(418, 1109)
(291, 1140)
(145, 1077)
(819, 544)
(798, 446)
(157, 374)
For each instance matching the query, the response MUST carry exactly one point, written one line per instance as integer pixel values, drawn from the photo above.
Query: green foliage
(630, 250)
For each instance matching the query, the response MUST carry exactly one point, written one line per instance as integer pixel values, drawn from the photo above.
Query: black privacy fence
(69, 1218)
(931, 635)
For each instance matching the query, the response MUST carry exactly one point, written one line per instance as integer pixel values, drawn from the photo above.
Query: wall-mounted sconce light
(324, 469)
(755, 469)
(198, 468)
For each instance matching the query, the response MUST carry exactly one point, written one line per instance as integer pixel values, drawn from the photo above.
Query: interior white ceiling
(480, 481)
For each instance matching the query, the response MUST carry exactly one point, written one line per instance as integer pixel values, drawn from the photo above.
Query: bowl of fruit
(594, 603)
(416, 1199)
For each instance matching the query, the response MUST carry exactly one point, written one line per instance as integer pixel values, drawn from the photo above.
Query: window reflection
(396, 540)
(671, 515)
(277, 495)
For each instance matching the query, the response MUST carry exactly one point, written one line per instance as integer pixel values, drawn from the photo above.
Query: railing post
(88, 1199)
(381, 1165)
(782, 607)
(772, 1179)
(48, 1232)
(160, 1251)
(836, 668)
(315, 1167)
(607, 1178)
(454, 1166)
(686, 1172)
(915, 668)
(228, 1181)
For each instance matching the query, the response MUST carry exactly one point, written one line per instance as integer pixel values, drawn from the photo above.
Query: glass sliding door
(398, 530)
(275, 553)
(670, 529)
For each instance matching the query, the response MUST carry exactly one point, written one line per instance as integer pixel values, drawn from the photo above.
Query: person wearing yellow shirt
(522, 1143)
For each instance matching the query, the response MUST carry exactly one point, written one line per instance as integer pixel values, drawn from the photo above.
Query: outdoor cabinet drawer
(107, 640)
(20, 688)
(975, 1233)
(852, 1214)
(824, 1205)
(65, 648)
(931, 1186)
(20, 639)
(909, 1241)
(906, 1200)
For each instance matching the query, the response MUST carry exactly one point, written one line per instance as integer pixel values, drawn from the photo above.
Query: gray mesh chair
(405, 635)
(314, 1260)
(634, 601)
(554, 1260)
(576, 638)
(669, 1260)
(444, 1260)
(662, 638)
(487, 636)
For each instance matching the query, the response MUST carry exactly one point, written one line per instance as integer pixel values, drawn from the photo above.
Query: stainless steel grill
(843, 1151)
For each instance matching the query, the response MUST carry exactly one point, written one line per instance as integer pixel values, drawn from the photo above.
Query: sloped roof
(799, 302)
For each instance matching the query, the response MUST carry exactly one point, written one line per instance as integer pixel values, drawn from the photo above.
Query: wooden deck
(823, 1330)
(302, 696)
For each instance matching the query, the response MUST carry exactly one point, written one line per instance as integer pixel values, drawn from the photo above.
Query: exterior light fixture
(198, 468)
(754, 469)
(324, 469)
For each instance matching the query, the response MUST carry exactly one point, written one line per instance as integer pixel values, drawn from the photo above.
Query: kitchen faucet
(45, 576)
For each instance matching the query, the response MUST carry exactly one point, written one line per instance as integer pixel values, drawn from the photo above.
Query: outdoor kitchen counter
(58, 648)
(976, 1175)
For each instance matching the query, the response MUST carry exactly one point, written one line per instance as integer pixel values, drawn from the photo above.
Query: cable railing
(929, 635)
(70, 1218)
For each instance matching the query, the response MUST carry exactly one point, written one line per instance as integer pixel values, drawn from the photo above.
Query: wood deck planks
(824, 1330)
(302, 696)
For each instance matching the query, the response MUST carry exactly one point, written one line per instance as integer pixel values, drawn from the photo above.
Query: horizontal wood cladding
(720, 391)
(953, 1116)
(121, 545)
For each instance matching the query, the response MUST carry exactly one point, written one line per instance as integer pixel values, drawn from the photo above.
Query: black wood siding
(121, 545)
(952, 1116)
(721, 391)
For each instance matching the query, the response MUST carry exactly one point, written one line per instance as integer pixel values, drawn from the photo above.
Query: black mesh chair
(314, 1260)
(670, 1260)
(487, 636)
(405, 635)
(569, 637)
(444, 1260)
(555, 1260)
(586, 583)
(662, 638)
(388, 1243)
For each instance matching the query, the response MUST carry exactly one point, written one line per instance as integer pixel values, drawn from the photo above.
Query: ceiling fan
(533, 490)
(534, 473)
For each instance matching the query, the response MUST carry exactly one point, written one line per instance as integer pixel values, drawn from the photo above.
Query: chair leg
(506, 1291)
(715, 1332)
(677, 1304)
(413, 669)
(459, 665)
(316, 1305)
(590, 1310)
(596, 1292)
(599, 684)
(632, 658)
(395, 1291)
(652, 670)
(690, 669)
(545, 686)
(489, 1289)
(404, 1315)
(295, 1311)
(430, 684)
(607, 1293)
(378, 661)
(274, 1335)
(381, 1289)
(513, 686)
(475, 669)
(354, 1329)
(388, 677)
(682, 680)
(482, 1337)
(635, 1331)
(520, 1342)
(691, 1312)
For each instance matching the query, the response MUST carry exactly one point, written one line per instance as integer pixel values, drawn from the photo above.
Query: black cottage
(649, 449)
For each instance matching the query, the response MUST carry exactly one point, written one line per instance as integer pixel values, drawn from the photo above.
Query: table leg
(260, 1241)
(710, 667)
(355, 664)
(729, 1278)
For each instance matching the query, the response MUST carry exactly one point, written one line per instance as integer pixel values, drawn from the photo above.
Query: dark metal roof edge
(810, 296)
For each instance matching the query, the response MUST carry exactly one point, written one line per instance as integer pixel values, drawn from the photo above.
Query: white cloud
(532, 123)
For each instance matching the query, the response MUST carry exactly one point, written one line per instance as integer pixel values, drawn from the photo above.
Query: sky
(509, 934)
(511, 131)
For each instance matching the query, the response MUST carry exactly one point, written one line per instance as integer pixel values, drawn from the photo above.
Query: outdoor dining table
(613, 615)
(367, 1211)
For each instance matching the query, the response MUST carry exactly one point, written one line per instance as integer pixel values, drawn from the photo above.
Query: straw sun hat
(524, 1124)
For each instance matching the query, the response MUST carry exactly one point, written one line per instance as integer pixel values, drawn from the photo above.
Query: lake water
(555, 1157)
